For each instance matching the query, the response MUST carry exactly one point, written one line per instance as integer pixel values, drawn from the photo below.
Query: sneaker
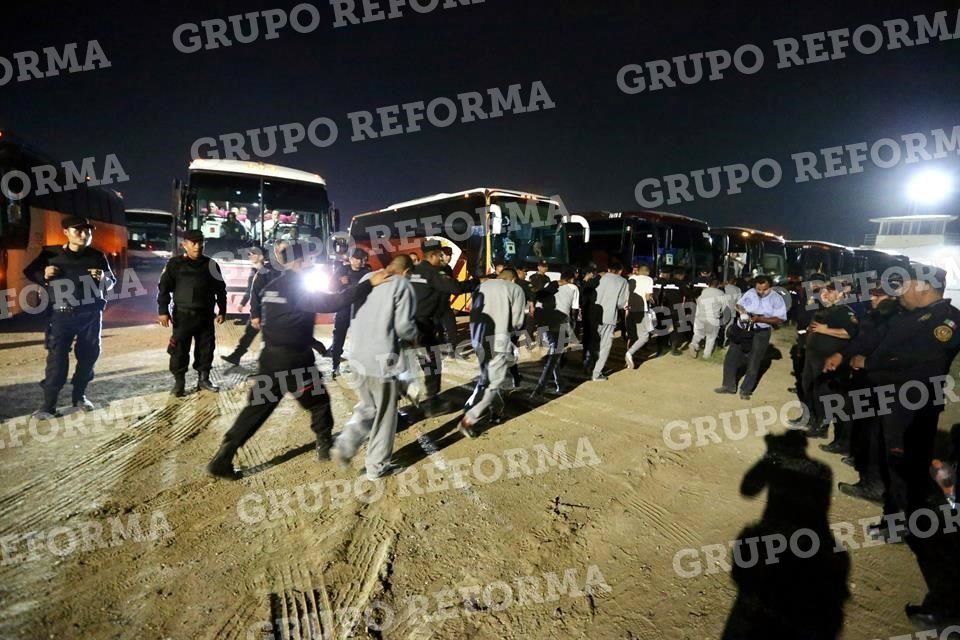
(676, 352)
(629, 360)
(342, 459)
(385, 471)
(724, 390)
(84, 404)
(850, 461)
(465, 428)
(745, 396)
(600, 378)
(42, 414)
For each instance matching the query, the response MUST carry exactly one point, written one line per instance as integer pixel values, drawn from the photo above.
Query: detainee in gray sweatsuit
(500, 305)
(613, 293)
(383, 322)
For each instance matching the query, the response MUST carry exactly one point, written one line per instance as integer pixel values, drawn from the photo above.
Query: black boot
(203, 382)
(234, 358)
(179, 387)
(222, 464)
(323, 448)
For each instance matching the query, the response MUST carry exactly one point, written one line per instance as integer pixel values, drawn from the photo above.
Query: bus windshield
(290, 210)
(149, 230)
(531, 232)
(774, 261)
(692, 250)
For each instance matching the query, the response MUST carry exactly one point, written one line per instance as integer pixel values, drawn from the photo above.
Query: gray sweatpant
(497, 369)
(606, 342)
(704, 330)
(374, 416)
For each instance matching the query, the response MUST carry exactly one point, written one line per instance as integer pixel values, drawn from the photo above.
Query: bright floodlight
(929, 187)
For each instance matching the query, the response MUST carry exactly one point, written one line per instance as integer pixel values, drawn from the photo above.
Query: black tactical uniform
(341, 322)
(919, 346)
(819, 347)
(255, 285)
(287, 311)
(865, 430)
(195, 286)
(75, 311)
(433, 289)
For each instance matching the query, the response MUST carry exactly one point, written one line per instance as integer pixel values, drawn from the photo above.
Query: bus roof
(156, 212)
(493, 191)
(741, 230)
(914, 218)
(245, 167)
(659, 216)
(821, 243)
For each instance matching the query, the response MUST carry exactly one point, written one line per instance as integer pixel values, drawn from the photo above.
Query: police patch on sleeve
(943, 333)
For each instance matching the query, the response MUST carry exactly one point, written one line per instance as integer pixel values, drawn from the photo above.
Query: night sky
(592, 149)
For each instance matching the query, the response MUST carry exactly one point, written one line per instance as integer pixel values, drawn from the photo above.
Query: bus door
(643, 244)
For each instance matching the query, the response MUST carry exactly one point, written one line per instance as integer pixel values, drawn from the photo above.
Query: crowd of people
(402, 326)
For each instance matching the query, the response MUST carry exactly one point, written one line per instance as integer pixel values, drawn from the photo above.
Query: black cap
(359, 254)
(71, 222)
(194, 235)
(432, 245)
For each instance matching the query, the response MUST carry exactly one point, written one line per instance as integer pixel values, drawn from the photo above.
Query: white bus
(149, 237)
(270, 203)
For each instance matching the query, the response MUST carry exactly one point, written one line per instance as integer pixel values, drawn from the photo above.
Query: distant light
(745, 234)
(929, 187)
(238, 193)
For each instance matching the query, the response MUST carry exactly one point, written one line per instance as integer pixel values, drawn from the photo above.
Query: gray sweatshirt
(613, 292)
(501, 308)
(381, 323)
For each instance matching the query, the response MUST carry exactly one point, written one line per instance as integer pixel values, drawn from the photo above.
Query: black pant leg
(249, 334)
(314, 398)
(206, 343)
(341, 324)
(758, 350)
(731, 364)
(179, 345)
(88, 326)
(61, 332)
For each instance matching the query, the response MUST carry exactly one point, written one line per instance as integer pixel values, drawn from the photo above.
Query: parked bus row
(240, 204)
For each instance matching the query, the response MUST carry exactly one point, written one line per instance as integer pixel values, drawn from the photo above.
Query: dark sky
(592, 149)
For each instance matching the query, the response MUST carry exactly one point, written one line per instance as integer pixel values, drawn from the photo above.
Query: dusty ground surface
(229, 558)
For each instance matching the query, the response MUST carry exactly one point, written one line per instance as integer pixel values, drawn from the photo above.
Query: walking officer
(75, 277)
(195, 283)
(286, 316)
(347, 276)
(433, 289)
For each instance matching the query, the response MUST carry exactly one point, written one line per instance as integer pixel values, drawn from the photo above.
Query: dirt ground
(229, 558)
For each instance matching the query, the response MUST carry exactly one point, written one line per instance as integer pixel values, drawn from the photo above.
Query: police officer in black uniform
(829, 331)
(286, 313)
(346, 276)
(195, 283)
(433, 288)
(919, 346)
(75, 277)
(864, 425)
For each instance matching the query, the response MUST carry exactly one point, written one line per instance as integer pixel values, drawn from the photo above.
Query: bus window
(774, 260)
(644, 243)
(692, 250)
(527, 235)
(14, 224)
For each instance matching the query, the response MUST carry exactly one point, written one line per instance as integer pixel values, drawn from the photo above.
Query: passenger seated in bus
(231, 229)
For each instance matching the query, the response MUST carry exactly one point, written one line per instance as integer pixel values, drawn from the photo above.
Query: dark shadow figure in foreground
(795, 593)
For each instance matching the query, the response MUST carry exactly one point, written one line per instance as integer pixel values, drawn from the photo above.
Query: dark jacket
(194, 285)
(433, 289)
(288, 310)
(73, 285)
